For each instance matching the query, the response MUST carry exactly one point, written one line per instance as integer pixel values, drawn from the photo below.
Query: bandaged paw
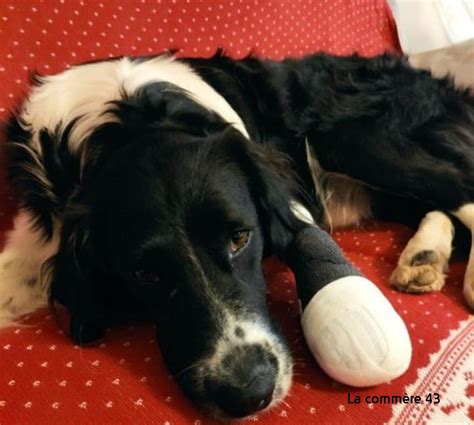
(355, 334)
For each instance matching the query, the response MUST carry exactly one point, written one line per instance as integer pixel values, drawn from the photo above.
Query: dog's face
(179, 225)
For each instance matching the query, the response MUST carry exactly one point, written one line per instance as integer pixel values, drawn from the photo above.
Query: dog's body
(139, 173)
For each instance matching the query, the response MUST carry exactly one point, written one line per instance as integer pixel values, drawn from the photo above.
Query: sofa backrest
(49, 36)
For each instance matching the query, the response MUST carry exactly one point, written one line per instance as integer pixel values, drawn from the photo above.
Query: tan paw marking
(423, 272)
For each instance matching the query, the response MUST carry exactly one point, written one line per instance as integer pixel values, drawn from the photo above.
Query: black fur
(370, 119)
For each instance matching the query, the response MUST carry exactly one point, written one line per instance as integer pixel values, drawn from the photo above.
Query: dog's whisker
(188, 369)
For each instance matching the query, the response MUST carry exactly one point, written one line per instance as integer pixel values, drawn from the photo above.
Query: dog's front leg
(350, 327)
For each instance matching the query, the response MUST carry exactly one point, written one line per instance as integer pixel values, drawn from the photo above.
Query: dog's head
(174, 223)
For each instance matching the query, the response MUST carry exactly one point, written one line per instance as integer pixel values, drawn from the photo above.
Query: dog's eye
(146, 276)
(238, 241)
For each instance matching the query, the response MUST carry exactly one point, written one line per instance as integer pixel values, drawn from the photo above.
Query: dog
(152, 188)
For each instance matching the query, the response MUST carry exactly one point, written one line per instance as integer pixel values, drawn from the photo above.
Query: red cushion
(43, 377)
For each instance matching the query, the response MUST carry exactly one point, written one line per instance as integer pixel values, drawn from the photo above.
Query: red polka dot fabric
(49, 36)
(44, 379)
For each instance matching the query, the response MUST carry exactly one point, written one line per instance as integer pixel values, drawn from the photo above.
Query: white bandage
(355, 334)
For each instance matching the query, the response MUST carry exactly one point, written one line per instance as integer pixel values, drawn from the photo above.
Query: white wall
(431, 24)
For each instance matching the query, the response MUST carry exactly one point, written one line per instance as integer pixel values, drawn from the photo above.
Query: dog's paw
(422, 271)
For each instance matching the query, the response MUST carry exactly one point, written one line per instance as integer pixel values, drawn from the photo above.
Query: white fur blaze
(83, 94)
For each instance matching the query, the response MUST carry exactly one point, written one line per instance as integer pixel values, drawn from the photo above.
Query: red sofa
(45, 379)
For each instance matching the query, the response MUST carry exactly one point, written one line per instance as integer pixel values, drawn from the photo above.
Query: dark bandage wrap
(316, 260)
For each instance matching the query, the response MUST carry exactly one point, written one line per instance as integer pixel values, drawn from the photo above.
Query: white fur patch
(82, 93)
(23, 286)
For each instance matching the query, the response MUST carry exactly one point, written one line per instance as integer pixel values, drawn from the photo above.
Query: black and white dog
(152, 187)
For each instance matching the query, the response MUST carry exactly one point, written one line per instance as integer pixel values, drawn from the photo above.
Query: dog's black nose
(250, 383)
(242, 400)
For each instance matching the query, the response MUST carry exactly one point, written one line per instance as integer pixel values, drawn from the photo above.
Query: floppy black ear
(274, 185)
(73, 279)
(82, 282)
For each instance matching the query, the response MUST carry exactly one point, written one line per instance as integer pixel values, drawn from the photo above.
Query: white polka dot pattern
(47, 37)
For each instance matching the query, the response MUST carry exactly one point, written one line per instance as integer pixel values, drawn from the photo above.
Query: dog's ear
(274, 186)
(74, 277)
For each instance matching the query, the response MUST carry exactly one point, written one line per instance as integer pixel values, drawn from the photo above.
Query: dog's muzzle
(244, 381)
